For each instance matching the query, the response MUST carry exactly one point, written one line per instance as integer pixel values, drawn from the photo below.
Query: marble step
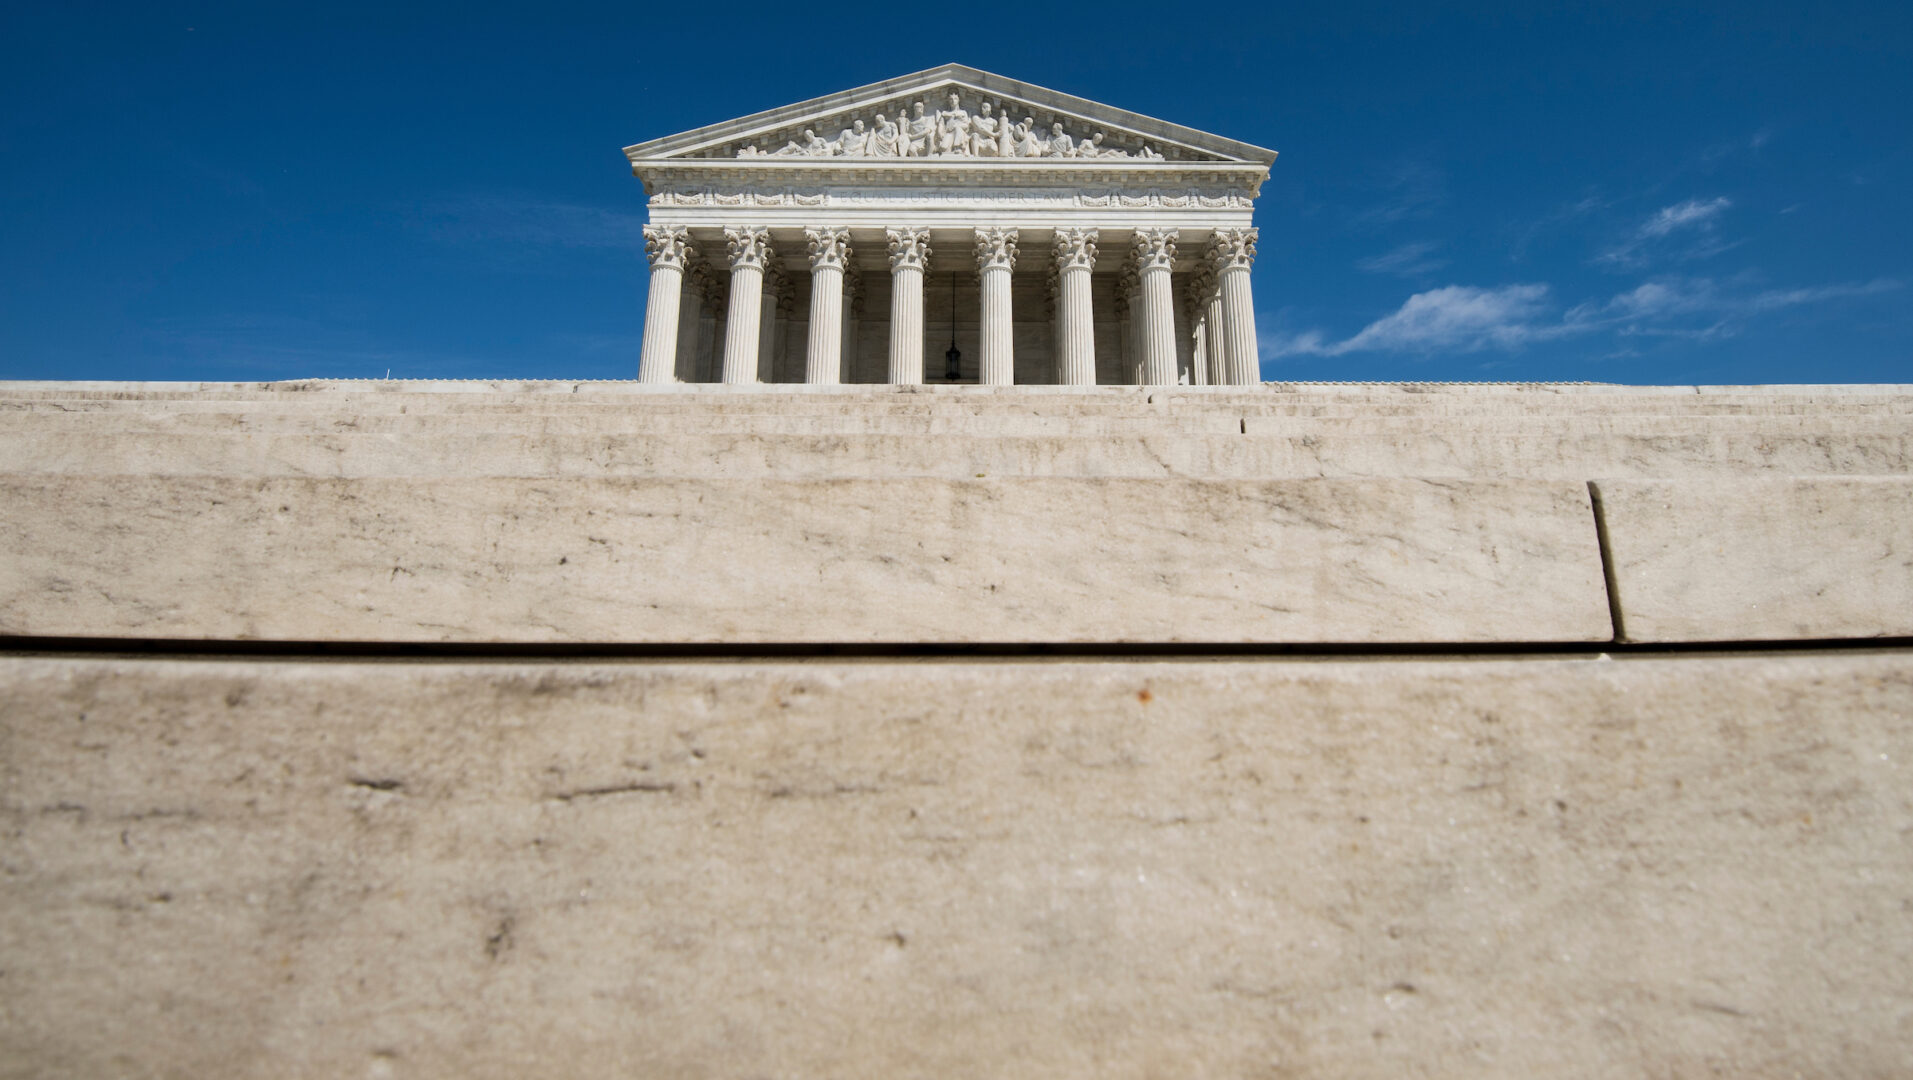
(1364, 868)
(429, 424)
(1750, 558)
(777, 559)
(1459, 452)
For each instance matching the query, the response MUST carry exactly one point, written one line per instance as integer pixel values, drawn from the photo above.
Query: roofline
(770, 119)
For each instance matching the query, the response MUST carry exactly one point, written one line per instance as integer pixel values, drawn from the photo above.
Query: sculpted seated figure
(884, 139)
(1060, 144)
(953, 128)
(1028, 142)
(919, 133)
(851, 141)
(983, 132)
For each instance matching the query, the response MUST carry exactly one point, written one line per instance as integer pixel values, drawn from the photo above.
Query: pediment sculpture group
(951, 132)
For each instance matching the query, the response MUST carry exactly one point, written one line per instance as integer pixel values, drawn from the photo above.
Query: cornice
(962, 172)
(770, 121)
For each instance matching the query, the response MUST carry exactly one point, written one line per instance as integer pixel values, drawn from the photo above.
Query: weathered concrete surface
(1577, 868)
(905, 560)
(1761, 559)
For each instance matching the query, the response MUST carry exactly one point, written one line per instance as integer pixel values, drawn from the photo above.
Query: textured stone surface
(1644, 867)
(902, 560)
(1761, 559)
(434, 429)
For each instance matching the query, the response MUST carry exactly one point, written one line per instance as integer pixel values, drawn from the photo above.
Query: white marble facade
(856, 237)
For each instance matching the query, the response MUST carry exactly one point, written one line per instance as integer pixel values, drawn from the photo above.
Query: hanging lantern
(952, 359)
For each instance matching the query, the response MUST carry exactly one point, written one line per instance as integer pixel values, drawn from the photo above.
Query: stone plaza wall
(348, 730)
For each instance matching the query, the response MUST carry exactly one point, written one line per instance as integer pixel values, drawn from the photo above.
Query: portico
(1077, 245)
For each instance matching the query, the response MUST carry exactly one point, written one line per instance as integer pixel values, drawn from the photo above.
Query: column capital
(908, 248)
(1232, 249)
(1076, 249)
(1155, 248)
(668, 247)
(996, 248)
(827, 247)
(748, 246)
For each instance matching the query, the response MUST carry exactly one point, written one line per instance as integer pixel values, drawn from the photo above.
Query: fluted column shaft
(909, 255)
(1233, 251)
(748, 250)
(775, 287)
(995, 260)
(1075, 261)
(1218, 339)
(692, 303)
(853, 307)
(667, 250)
(829, 250)
(1155, 252)
(1129, 314)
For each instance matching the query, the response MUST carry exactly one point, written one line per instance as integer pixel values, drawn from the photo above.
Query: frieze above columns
(711, 195)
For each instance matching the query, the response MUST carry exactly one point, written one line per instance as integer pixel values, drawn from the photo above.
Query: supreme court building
(950, 226)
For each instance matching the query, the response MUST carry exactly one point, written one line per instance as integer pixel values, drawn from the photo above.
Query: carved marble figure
(884, 140)
(918, 133)
(851, 141)
(953, 127)
(1060, 144)
(809, 146)
(983, 132)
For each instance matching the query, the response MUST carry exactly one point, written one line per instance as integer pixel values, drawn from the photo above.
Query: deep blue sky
(208, 191)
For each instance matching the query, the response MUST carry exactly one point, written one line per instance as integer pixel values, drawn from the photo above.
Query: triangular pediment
(992, 119)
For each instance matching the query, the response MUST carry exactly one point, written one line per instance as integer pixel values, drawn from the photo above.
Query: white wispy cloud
(1453, 319)
(1696, 220)
(1465, 319)
(1684, 215)
(1408, 260)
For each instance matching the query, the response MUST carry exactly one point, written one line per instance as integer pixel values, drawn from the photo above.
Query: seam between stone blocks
(1607, 562)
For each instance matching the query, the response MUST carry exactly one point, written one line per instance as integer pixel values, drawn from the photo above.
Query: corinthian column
(1129, 317)
(829, 250)
(853, 312)
(1232, 251)
(1196, 302)
(1215, 334)
(667, 249)
(995, 259)
(776, 287)
(706, 354)
(909, 256)
(1155, 251)
(749, 248)
(1076, 351)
